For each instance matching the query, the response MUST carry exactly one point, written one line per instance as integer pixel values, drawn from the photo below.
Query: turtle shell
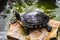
(34, 18)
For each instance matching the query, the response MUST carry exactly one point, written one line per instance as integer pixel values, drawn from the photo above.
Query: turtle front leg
(13, 20)
(26, 30)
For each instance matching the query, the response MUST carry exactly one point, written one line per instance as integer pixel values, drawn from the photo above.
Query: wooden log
(16, 32)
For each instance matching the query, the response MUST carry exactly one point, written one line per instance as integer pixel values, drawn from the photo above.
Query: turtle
(34, 19)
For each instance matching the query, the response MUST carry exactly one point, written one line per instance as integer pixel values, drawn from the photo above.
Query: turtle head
(17, 15)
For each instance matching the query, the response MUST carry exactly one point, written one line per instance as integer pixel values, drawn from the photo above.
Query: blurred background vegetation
(49, 7)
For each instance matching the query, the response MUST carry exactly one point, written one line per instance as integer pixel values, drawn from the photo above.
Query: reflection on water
(58, 1)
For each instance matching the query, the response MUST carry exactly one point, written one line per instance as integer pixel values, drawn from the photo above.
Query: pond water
(57, 12)
(4, 22)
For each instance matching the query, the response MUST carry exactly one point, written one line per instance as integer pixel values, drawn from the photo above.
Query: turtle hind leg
(26, 30)
(49, 28)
